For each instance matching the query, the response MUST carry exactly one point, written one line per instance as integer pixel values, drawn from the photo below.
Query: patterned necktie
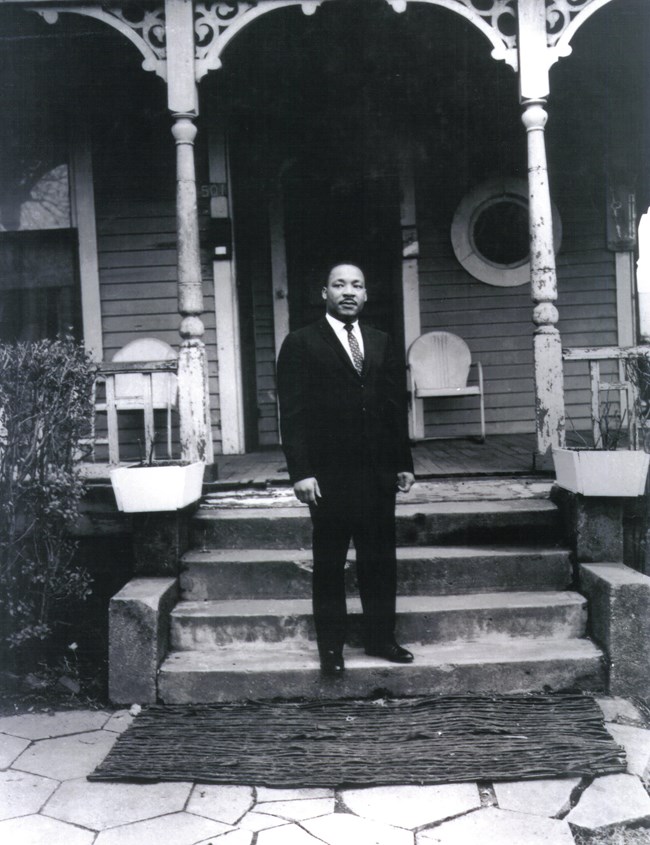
(357, 357)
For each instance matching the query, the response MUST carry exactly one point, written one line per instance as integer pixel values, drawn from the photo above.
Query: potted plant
(604, 468)
(157, 485)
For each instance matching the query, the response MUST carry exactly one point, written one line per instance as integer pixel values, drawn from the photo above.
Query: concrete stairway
(484, 603)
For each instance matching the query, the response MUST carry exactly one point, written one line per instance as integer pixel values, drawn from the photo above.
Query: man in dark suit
(344, 434)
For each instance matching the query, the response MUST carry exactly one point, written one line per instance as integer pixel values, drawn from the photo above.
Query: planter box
(140, 489)
(601, 473)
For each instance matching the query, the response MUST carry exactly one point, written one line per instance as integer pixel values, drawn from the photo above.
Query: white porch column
(547, 345)
(193, 394)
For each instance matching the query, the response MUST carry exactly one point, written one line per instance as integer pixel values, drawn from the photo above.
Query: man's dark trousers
(363, 512)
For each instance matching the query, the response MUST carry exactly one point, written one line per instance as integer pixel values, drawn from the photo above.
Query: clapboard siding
(137, 264)
(153, 257)
(156, 224)
(145, 322)
(163, 246)
(574, 297)
(140, 305)
(136, 290)
(129, 275)
(496, 322)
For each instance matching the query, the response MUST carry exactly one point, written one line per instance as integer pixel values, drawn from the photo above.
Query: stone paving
(45, 798)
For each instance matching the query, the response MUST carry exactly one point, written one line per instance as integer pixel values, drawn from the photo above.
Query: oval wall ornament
(490, 236)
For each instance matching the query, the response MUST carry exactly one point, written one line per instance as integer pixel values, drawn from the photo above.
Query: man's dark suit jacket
(334, 421)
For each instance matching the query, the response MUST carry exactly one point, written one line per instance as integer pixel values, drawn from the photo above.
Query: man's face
(345, 292)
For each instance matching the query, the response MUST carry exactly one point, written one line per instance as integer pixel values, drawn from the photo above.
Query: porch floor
(501, 454)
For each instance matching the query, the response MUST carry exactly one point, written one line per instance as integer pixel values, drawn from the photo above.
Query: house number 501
(214, 189)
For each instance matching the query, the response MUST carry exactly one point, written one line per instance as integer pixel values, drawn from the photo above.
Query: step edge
(491, 506)
(570, 598)
(515, 650)
(404, 553)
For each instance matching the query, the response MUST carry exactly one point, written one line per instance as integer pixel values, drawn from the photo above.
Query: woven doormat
(444, 739)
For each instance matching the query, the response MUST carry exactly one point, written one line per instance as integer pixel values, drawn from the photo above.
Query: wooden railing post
(111, 421)
(626, 386)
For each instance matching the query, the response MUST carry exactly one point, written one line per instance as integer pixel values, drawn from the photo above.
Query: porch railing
(109, 400)
(630, 400)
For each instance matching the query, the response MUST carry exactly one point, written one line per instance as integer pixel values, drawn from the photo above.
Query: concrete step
(425, 619)
(421, 524)
(435, 570)
(266, 671)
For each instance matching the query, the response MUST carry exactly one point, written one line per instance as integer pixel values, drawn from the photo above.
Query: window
(39, 275)
(39, 289)
(490, 235)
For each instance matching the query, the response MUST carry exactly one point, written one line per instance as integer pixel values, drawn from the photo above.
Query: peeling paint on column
(193, 388)
(194, 411)
(547, 347)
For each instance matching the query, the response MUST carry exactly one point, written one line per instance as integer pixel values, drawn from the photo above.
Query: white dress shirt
(341, 332)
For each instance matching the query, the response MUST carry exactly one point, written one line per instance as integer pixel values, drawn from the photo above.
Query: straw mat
(442, 739)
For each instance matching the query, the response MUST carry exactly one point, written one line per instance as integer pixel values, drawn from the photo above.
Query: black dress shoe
(331, 663)
(390, 651)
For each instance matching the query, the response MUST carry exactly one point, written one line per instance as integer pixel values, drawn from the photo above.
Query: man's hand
(307, 491)
(405, 481)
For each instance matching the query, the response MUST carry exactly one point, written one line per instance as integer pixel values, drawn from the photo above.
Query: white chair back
(439, 360)
(129, 388)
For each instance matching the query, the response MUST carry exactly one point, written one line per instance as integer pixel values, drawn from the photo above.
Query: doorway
(312, 142)
(334, 208)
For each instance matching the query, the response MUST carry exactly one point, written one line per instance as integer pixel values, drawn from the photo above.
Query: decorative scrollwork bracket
(144, 27)
(563, 19)
(496, 19)
(218, 21)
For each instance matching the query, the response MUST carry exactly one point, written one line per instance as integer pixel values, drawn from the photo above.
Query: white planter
(593, 473)
(140, 489)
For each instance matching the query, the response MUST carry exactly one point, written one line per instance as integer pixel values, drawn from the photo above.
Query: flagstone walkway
(45, 798)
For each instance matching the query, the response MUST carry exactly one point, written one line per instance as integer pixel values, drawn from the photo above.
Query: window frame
(470, 208)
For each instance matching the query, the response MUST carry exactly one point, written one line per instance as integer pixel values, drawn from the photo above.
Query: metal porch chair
(438, 366)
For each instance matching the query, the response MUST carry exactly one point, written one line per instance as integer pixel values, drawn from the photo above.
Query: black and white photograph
(324, 422)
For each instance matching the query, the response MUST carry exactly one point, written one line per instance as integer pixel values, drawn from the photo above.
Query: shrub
(45, 409)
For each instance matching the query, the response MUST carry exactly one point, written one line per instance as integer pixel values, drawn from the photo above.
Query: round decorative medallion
(489, 232)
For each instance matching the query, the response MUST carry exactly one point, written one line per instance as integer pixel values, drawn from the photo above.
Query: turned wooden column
(193, 404)
(547, 345)
(534, 61)
(182, 100)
